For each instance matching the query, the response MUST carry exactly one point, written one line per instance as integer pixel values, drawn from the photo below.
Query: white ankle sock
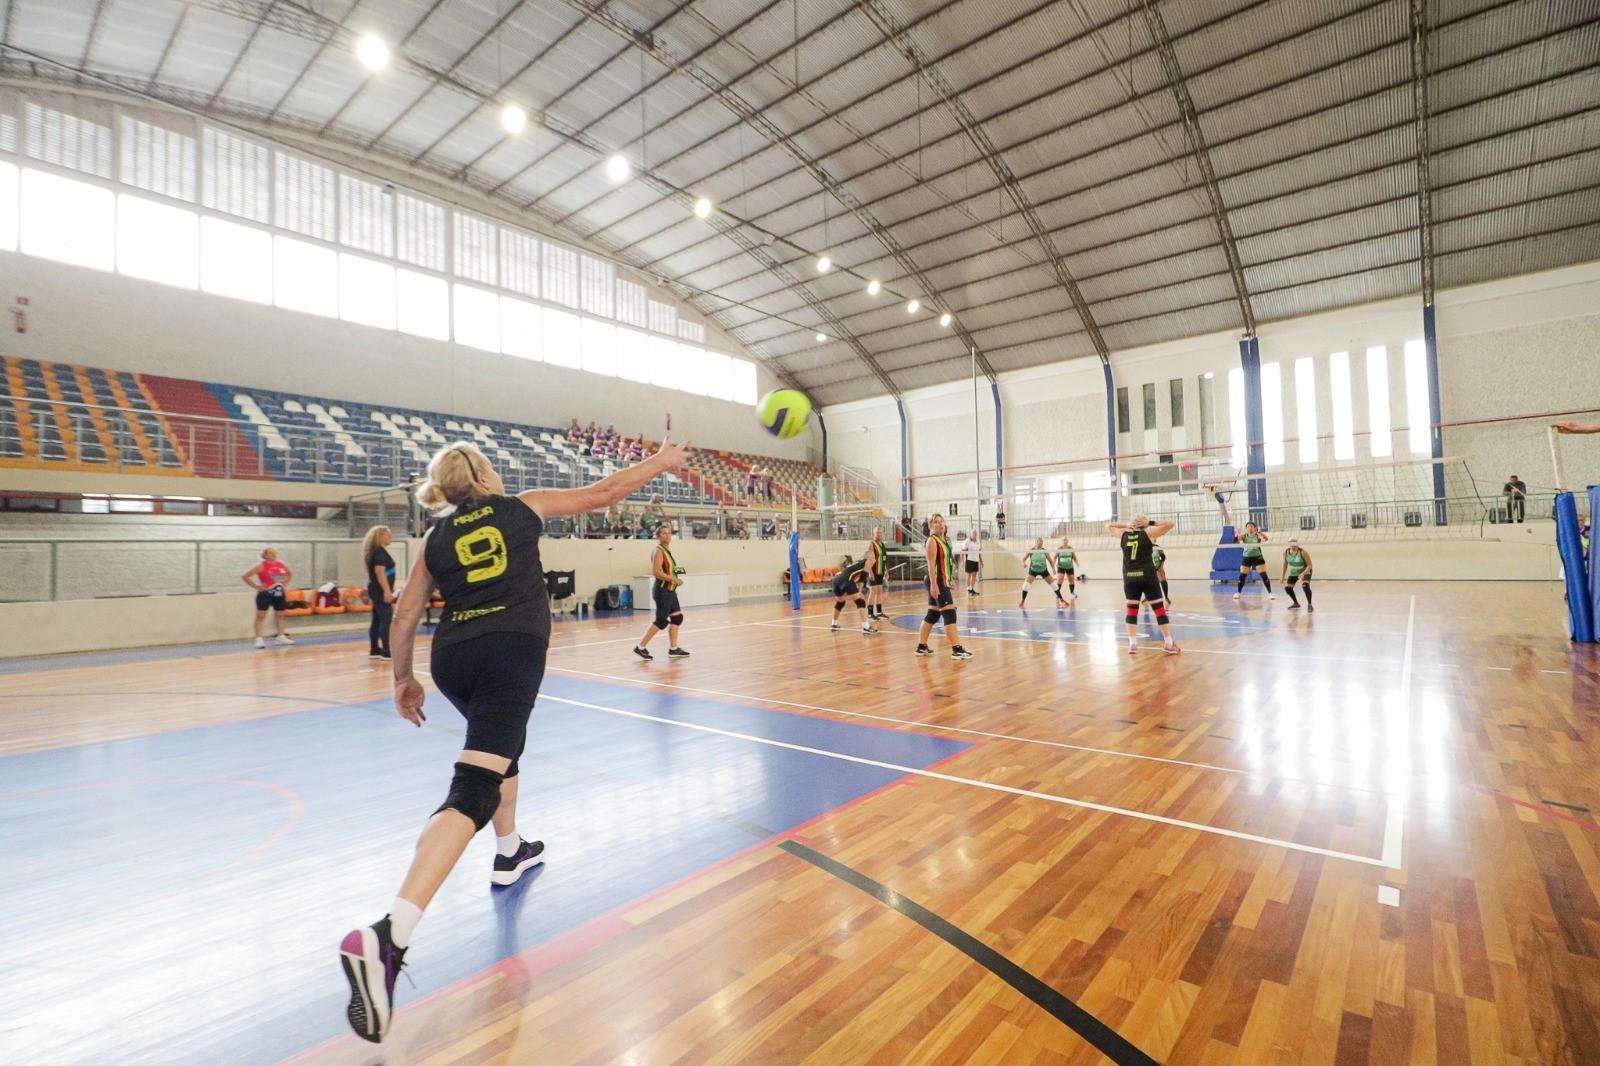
(403, 918)
(507, 846)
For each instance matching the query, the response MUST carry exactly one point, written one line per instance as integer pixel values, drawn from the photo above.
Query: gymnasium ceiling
(1068, 177)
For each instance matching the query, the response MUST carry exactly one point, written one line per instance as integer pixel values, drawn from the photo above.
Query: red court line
(603, 928)
(1535, 807)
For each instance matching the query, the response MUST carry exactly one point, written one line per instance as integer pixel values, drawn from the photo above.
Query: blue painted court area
(188, 901)
(1047, 622)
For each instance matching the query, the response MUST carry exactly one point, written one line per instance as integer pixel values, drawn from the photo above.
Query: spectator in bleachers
(766, 482)
(574, 431)
(751, 478)
(270, 578)
(601, 526)
(653, 516)
(379, 565)
(741, 528)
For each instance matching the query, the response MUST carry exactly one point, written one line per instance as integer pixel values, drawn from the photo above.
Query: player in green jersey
(1297, 571)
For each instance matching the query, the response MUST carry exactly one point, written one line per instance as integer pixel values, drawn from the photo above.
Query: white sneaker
(261, 642)
(834, 628)
(1133, 647)
(1172, 649)
(1237, 596)
(869, 629)
(283, 638)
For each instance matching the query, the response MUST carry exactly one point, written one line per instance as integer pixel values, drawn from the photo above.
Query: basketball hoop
(1221, 490)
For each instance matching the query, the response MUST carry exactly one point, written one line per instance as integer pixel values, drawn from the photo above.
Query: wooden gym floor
(1371, 834)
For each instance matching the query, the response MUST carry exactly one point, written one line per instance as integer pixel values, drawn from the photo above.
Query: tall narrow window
(422, 305)
(633, 355)
(521, 331)
(157, 242)
(1272, 412)
(1149, 405)
(563, 344)
(305, 277)
(366, 291)
(1236, 419)
(477, 318)
(68, 221)
(1378, 419)
(1175, 388)
(1418, 421)
(599, 347)
(1305, 402)
(1344, 423)
(744, 382)
(1208, 411)
(1122, 410)
(9, 180)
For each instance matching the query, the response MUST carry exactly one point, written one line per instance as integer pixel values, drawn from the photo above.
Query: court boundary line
(915, 724)
(1103, 808)
(1394, 820)
(1100, 1036)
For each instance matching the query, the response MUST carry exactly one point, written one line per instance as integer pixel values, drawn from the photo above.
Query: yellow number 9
(485, 546)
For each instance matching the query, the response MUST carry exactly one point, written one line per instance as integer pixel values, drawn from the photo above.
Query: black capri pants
(666, 601)
(493, 680)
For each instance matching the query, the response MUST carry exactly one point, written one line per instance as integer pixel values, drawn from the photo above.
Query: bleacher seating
(60, 413)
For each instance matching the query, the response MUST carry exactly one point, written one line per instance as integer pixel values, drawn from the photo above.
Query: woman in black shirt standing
(379, 565)
(488, 660)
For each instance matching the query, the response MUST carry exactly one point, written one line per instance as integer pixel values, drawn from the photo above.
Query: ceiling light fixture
(913, 307)
(372, 52)
(702, 208)
(513, 119)
(618, 168)
(944, 320)
(873, 287)
(821, 337)
(824, 264)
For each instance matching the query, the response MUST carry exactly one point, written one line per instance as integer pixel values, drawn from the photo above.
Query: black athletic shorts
(972, 566)
(1260, 561)
(875, 580)
(272, 598)
(943, 598)
(1141, 584)
(666, 601)
(493, 680)
(1290, 581)
(843, 587)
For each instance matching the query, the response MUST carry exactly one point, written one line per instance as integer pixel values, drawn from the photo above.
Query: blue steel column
(905, 461)
(1111, 438)
(824, 427)
(1255, 456)
(1430, 340)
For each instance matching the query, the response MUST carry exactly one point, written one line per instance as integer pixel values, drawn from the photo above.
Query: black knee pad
(475, 792)
(861, 601)
(949, 616)
(1161, 612)
(1132, 617)
(676, 619)
(932, 617)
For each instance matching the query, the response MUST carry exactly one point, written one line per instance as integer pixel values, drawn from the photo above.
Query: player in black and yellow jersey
(877, 571)
(847, 584)
(664, 592)
(488, 660)
(941, 594)
(1136, 541)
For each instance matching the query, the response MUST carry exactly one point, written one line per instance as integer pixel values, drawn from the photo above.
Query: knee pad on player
(676, 618)
(861, 602)
(1132, 617)
(931, 617)
(1160, 609)
(475, 792)
(949, 616)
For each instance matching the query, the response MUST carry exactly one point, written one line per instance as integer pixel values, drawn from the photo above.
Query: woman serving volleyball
(488, 660)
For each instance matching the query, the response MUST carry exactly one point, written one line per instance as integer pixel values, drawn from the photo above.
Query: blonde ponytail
(453, 478)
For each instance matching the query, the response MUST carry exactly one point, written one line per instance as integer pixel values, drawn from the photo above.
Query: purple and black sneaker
(508, 869)
(371, 963)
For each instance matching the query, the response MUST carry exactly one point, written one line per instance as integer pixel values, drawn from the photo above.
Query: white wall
(1517, 347)
(76, 315)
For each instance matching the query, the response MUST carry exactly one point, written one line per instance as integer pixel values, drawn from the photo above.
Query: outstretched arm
(550, 503)
(1574, 427)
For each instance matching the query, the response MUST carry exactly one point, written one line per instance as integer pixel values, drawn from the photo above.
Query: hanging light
(702, 208)
(618, 168)
(944, 320)
(821, 337)
(372, 52)
(824, 264)
(513, 119)
(873, 287)
(913, 307)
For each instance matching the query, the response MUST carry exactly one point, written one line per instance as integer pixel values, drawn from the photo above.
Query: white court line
(974, 783)
(1394, 823)
(892, 628)
(923, 725)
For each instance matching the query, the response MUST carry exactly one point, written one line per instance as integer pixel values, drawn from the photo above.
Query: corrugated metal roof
(1306, 110)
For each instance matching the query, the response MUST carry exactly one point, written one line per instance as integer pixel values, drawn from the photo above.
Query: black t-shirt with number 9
(484, 559)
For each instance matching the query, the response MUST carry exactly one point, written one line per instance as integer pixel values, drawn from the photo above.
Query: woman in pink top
(269, 578)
